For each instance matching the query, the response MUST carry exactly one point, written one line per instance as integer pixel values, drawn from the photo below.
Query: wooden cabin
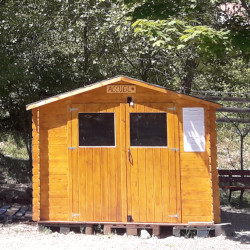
(123, 150)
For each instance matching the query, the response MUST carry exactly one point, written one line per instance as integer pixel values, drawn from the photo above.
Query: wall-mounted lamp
(130, 101)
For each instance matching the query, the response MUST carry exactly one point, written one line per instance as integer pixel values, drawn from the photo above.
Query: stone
(145, 234)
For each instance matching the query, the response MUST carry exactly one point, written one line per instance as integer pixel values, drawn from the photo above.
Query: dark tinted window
(96, 129)
(148, 129)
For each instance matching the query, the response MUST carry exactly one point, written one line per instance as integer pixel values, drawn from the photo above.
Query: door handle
(130, 157)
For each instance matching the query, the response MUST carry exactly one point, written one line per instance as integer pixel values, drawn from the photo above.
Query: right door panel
(152, 175)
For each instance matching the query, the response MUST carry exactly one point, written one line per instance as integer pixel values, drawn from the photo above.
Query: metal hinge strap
(174, 216)
(75, 215)
(72, 148)
(174, 149)
(173, 108)
(72, 109)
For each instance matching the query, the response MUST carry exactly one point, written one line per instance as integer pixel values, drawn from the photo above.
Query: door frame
(73, 176)
(172, 145)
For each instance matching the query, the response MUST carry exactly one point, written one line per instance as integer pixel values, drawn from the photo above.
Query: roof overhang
(117, 79)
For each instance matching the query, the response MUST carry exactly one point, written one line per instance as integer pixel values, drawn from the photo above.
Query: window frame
(148, 146)
(97, 146)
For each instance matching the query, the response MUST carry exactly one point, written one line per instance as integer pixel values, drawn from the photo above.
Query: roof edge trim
(110, 81)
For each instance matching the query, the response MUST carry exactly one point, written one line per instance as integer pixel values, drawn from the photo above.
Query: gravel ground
(23, 236)
(26, 236)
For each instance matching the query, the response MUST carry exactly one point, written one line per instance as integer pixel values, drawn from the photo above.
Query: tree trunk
(85, 47)
(187, 80)
(142, 70)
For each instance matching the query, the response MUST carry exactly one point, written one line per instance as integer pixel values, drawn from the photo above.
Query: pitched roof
(122, 79)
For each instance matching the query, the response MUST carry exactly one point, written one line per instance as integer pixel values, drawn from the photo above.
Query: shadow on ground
(18, 170)
(15, 181)
(240, 221)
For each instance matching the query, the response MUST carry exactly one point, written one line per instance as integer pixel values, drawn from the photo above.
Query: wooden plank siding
(36, 165)
(152, 186)
(196, 186)
(54, 196)
(98, 172)
(214, 170)
(100, 184)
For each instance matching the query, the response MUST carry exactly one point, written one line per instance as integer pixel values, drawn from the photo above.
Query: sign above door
(118, 89)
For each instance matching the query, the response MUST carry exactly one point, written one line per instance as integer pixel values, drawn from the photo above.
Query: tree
(193, 33)
(48, 47)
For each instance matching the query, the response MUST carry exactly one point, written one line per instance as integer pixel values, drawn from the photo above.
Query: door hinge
(174, 216)
(173, 108)
(75, 215)
(174, 149)
(72, 148)
(72, 109)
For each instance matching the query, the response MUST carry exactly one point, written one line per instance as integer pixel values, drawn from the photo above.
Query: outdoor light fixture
(130, 101)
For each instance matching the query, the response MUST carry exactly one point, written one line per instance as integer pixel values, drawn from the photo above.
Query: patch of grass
(16, 170)
(14, 163)
(228, 148)
(11, 148)
(235, 199)
(46, 230)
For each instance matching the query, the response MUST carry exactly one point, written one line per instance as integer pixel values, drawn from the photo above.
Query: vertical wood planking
(82, 184)
(134, 175)
(134, 185)
(89, 184)
(143, 192)
(177, 165)
(97, 183)
(99, 168)
(150, 180)
(150, 184)
(124, 163)
(142, 179)
(75, 175)
(157, 174)
(157, 185)
(118, 163)
(149, 177)
(112, 179)
(172, 168)
(165, 184)
(112, 185)
(104, 185)
(69, 133)
(96, 168)
(129, 197)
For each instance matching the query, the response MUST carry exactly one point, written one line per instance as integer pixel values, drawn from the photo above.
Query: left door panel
(95, 173)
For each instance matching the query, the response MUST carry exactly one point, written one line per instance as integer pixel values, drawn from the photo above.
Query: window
(148, 129)
(96, 129)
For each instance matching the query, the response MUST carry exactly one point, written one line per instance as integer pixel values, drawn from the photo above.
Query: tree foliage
(51, 46)
(199, 31)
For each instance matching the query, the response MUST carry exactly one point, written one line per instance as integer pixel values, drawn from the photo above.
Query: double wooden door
(123, 163)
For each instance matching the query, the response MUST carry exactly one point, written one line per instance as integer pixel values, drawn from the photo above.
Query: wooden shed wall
(36, 165)
(198, 174)
(50, 170)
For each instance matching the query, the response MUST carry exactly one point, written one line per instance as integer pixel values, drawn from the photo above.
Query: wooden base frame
(202, 229)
